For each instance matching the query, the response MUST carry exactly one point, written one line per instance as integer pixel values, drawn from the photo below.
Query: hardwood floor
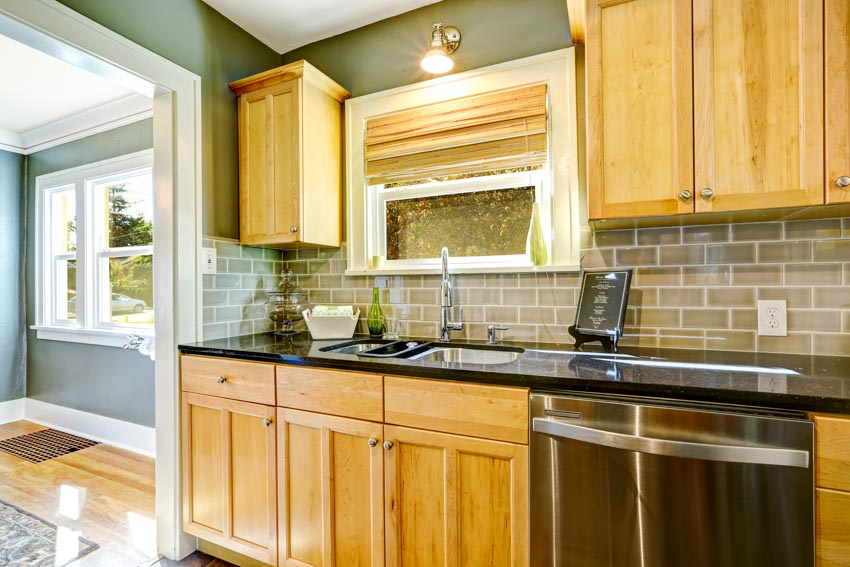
(105, 494)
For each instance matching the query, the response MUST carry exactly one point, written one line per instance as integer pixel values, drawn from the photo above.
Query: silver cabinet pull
(843, 181)
(221, 380)
(373, 442)
(388, 445)
(670, 448)
(685, 195)
(707, 193)
(267, 422)
(293, 229)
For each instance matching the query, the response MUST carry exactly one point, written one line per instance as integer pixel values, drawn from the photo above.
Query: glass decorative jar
(286, 303)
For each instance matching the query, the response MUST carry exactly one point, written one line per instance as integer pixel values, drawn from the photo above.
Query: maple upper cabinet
(290, 157)
(640, 109)
(229, 471)
(837, 120)
(758, 104)
(710, 105)
(331, 490)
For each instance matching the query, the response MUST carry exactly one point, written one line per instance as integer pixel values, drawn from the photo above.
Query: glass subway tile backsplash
(694, 287)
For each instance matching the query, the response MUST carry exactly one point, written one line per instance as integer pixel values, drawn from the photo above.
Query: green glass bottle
(375, 321)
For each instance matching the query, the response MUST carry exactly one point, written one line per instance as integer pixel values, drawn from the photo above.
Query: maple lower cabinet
(454, 500)
(331, 487)
(640, 108)
(837, 98)
(832, 492)
(290, 157)
(229, 472)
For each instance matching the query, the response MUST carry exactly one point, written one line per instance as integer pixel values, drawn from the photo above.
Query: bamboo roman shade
(476, 134)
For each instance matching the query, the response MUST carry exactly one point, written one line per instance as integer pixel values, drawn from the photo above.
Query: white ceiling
(285, 25)
(45, 102)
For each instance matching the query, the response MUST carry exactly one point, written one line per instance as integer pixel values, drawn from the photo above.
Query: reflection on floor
(103, 493)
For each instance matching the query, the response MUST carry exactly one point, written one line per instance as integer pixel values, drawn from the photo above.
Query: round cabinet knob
(293, 229)
(221, 380)
(685, 195)
(843, 181)
(707, 193)
(388, 445)
(373, 442)
(267, 422)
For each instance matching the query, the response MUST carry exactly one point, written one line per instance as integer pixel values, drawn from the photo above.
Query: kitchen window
(459, 162)
(94, 246)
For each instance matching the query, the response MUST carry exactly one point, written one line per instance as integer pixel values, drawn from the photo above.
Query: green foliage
(131, 276)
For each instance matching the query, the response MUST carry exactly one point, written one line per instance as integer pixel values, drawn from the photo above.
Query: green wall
(96, 379)
(386, 54)
(196, 37)
(12, 345)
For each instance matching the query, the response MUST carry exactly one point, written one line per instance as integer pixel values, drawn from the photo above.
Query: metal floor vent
(44, 445)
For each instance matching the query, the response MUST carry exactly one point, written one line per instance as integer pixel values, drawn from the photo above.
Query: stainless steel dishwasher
(616, 483)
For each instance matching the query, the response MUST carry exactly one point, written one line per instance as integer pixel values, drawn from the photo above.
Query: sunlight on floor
(142, 533)
(67, 545)
(71, 501)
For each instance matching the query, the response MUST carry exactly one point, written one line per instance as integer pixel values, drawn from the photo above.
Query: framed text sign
(601, 310)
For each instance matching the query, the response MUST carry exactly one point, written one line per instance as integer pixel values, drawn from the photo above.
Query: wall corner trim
(12, 410)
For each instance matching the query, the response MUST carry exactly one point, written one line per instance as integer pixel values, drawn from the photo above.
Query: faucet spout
(446, 301)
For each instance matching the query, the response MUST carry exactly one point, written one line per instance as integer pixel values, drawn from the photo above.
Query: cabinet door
(229, 467)
(758, 96)
(331, 487)
(453, 500)
(270, 164)
(639, 108)
(833, 528)
(837, 73)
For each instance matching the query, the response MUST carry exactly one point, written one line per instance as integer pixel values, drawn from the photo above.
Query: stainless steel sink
(465, 355)
(352, 347)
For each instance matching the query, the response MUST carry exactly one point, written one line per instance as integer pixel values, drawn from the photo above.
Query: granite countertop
(768, 380)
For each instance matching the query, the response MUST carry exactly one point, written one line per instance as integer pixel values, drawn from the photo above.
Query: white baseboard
(122, 434)
(13, 410)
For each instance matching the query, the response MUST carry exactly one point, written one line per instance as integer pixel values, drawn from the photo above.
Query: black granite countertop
(768, 380)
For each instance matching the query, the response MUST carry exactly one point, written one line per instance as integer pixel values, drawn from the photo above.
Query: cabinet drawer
(475, 410)
(833, 528)
(832, 452)
(234, 379)
(347, 394)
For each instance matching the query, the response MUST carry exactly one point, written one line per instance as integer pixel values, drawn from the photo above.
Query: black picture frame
(601, 310)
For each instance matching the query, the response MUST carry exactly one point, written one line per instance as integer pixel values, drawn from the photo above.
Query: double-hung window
(94, 248)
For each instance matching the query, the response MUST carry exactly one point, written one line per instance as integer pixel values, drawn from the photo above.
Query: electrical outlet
(208, 261)
(773, 318)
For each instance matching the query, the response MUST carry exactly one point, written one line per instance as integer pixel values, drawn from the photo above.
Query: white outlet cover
(773, 318)
(208, 261)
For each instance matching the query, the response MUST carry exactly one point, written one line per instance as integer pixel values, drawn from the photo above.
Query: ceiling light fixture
(444, 41)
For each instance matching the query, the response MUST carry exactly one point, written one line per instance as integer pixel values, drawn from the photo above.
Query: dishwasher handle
(670, 448)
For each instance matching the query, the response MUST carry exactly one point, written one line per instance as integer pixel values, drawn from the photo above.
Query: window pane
(482, 223)
(65, 272)
(127, 291)
(63, 221)
(128, 203)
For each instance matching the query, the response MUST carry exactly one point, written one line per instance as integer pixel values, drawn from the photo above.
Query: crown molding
(127, 110)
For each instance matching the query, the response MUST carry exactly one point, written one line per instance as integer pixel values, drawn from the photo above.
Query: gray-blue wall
(97, 379)
(12, 344)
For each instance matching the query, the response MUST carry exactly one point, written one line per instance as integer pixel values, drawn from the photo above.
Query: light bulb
(437, 62)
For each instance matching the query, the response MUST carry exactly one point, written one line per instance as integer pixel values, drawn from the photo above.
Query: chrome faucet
(446, 302)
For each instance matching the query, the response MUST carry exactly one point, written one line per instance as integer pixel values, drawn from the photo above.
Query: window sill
(425, 270)
(87, 336)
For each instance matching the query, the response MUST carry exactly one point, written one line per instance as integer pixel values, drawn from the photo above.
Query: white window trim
(89, 330)
(561, 218)
(379, 196)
